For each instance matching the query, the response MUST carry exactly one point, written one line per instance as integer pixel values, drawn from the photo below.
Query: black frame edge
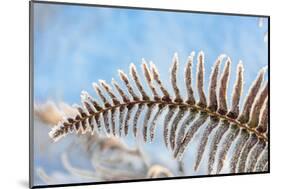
(146, 180)
(31, 117)
(268, 48)
(148, 8)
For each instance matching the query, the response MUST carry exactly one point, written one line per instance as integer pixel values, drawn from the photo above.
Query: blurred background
(77, 45)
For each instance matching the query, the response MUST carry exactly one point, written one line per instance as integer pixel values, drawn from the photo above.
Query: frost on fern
(182, 113)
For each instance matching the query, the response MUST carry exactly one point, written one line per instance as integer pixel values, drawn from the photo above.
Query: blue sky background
(75, 46)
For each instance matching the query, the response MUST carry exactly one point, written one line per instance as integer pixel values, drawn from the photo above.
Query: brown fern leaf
(210, 116)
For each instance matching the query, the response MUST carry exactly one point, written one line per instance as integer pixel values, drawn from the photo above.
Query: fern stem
(193, 106)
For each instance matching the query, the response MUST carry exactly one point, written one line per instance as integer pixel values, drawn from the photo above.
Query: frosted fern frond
(226, 126)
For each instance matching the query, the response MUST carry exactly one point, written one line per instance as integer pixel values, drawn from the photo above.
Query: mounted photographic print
(122, 94)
